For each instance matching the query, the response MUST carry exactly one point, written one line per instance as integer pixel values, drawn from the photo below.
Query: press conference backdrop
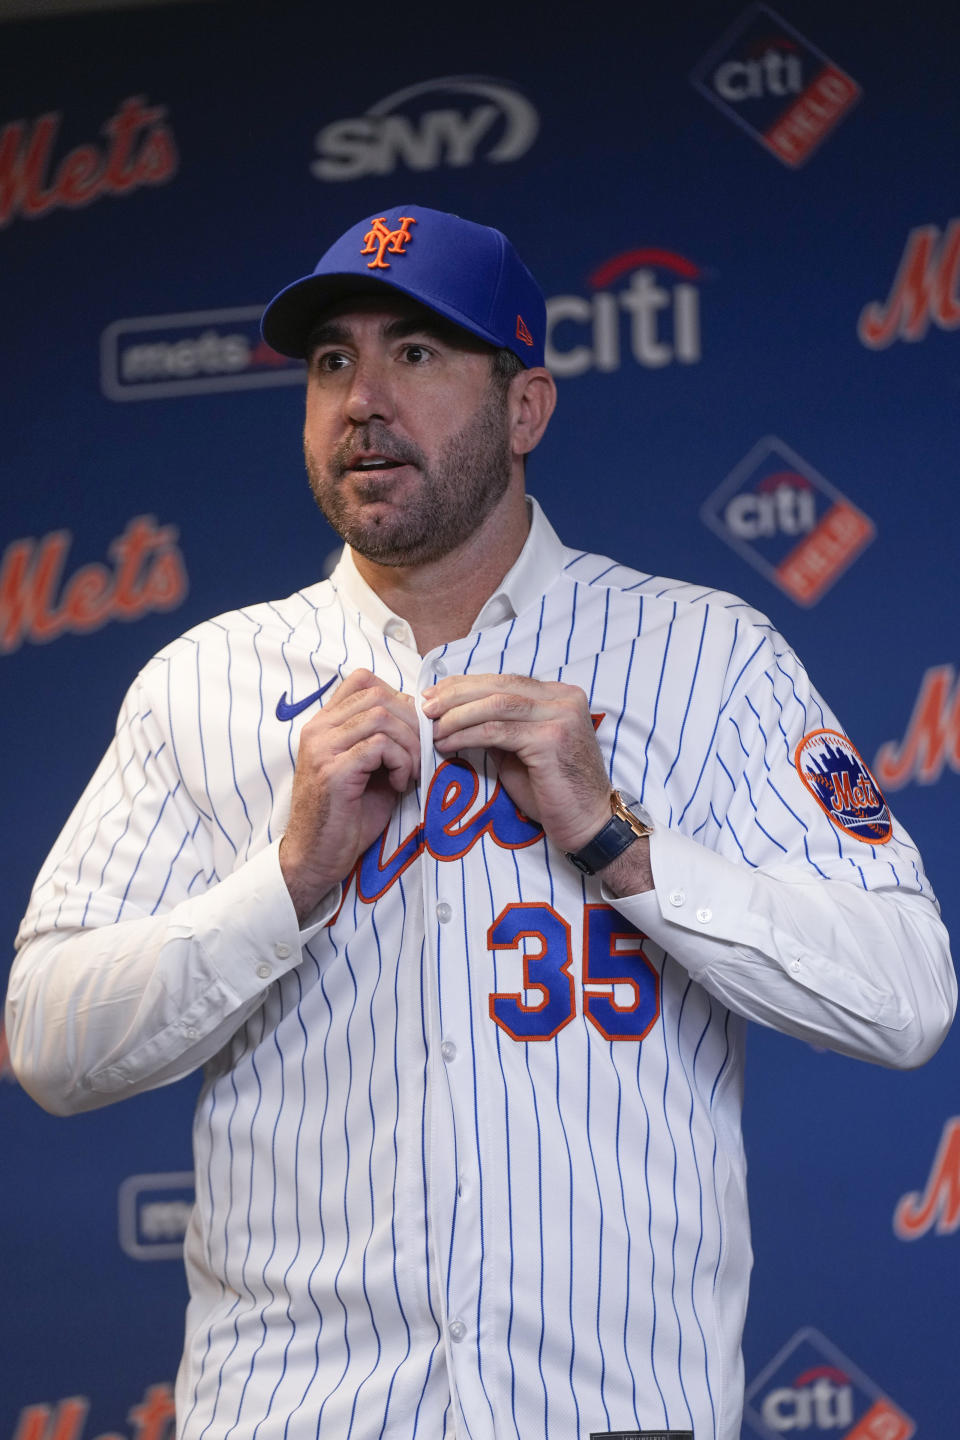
(747, 223)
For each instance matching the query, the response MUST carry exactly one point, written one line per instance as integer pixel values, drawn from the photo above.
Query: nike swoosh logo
(287, 710)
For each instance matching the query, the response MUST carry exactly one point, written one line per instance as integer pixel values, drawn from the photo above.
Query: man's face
(406, 437)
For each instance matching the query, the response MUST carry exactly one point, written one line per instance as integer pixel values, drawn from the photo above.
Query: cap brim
(291, 315)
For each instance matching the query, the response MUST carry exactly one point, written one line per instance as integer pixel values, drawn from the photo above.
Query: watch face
(632, 811)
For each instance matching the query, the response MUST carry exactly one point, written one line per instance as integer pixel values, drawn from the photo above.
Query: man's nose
(369, 395)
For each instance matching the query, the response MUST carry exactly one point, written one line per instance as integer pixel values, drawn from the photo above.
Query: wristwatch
(628, 822)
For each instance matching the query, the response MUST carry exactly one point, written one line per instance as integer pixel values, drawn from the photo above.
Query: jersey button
(677, 897)
(396, 630)
(448, 1050)
(444, 912)
(457, 1331)
(264, 971)
(704, 915)
(281, 950)
(440, 668)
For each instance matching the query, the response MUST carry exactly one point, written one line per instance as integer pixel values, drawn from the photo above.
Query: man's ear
(531, 400)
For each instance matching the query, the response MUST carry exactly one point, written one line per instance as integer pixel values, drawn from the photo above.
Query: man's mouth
(376, 462)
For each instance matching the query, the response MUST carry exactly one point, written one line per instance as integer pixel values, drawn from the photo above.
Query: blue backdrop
(745, 220)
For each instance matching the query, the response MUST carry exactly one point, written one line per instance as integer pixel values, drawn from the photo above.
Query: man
(460, 873)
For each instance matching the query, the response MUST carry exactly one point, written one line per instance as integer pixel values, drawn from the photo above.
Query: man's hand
(541, 737)
(356, 757)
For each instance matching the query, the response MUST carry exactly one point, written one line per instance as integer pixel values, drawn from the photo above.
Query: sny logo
(410, 128)
(774, 83)
(938, 1206)
(380, 238)
(789, 522)
(811, 1386)
(664, 319)
(924, 290)
(932, 739)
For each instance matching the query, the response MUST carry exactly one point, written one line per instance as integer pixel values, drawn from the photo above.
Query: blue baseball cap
(468, 273)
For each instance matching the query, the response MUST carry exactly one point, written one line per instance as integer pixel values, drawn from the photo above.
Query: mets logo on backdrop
(839, 781)
(932, 738)
(153, 1212)
(937, 1206)
(158, 357)
(925, 290)
(775, 84)
(811, 1387)
(789, 522)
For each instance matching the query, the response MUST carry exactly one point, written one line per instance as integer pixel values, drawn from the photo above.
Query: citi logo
(772, 73)
(482, 119)
(812, 1389)
(820, 1400)
(654, 317)
(776, 84)
(782, 504)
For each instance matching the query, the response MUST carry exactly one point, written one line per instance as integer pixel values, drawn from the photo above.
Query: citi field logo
(644, 304)
(450, 122)
(811, 1388)
(775, 84)
(932, 737)
(139, 150)
(791, 524)
(937, 1206)
(157, 357)
(153, 1212)
(146, 573)
(925, 290)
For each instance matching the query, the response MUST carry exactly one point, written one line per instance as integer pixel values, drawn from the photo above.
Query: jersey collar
(535, 569)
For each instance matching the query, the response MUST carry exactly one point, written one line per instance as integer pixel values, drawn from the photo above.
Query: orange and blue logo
(839, 781)
(380, 240)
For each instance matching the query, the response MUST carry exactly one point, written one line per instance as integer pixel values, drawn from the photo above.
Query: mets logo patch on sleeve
(843, 787)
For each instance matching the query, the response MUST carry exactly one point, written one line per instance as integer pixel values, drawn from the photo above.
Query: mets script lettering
(445, 832)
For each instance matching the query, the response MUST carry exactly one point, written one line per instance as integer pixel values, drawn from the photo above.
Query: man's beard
(450, 503)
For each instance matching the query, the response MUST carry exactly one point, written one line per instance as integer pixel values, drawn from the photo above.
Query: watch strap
(620, 831)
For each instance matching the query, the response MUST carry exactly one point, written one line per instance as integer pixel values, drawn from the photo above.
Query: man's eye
(330, 362)
(416, 354)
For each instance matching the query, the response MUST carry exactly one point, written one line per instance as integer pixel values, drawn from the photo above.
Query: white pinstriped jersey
(471, 1164)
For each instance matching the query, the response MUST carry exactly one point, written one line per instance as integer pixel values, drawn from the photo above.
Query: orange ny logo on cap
(380, 238)
(523, 332)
